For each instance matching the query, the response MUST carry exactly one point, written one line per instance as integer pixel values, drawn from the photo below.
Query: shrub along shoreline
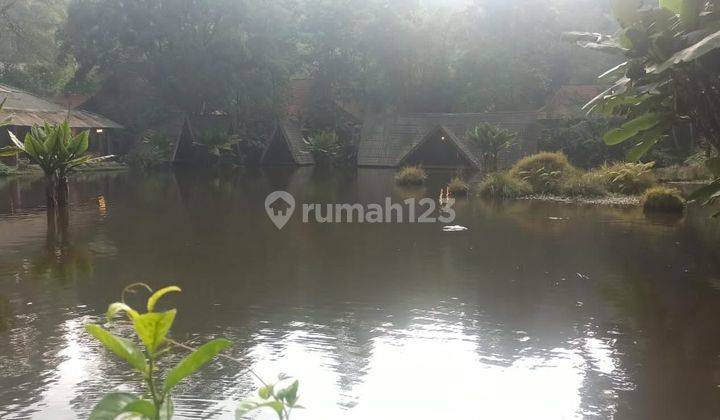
(550, 176)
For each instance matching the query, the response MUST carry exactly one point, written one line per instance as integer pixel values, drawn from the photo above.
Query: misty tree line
(237, 56)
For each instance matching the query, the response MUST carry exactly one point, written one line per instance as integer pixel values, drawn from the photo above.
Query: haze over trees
(236, 56)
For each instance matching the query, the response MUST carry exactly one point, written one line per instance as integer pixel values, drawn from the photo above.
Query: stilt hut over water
(25, 110)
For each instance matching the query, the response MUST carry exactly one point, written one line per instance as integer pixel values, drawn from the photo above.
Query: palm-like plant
(491, 140)
(57, 152)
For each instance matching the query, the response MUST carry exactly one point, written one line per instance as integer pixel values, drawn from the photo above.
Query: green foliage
(281, 399)
(663, 199)
(152, 329)
(691, 172)
(491, 140)
(627, 178)
(503, 185)
(329, 149)
(588, 184)
(707, 195)
(544, 171)
(580, 140)
(670, 74)
(411, 175)
(57, 151)
(6, 170)
(457, 187)
(153, 150)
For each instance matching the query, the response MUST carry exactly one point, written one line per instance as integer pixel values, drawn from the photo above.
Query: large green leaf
(632, 128)
(122, 347)
(706, 193)
(289, 393)
(647, 139)
(152, 300)
(245, 407)
(194, 361)
(117, 307)
(691, 53)
(112, 405)
(144, 408)
(79, 144)
(152, 328)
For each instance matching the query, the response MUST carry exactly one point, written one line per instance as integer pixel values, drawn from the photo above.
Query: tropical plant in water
(491, 140)
(328, 148)
(669, 77)
(58, 152)
(152, 330)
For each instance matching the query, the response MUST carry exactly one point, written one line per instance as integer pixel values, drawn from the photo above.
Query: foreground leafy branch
(670, 76)
(152, 329)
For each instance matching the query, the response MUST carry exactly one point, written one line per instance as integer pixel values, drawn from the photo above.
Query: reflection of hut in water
(26, 110)
(439, 140)
(287, 146)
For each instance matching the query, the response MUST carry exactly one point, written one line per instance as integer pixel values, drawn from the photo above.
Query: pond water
(538, 311)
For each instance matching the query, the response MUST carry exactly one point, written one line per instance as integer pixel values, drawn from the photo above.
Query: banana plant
(57, 151)
(669, 75)
(151, 329)
(491, 140)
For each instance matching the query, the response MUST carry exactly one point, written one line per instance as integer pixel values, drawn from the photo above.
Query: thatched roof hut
(27, 110)
(438, 140)
(287, 145)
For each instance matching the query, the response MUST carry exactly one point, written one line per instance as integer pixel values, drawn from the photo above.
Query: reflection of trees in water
(670, 339)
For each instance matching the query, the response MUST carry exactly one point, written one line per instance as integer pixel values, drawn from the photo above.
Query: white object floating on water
(454, 228)
(556, 218)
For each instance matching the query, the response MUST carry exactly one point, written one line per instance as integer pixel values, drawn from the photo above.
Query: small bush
(544, 171)
(457, 187)
(503, 185)
(411, 175)
(6, 170)
(628, 178)
(589, 184)
(663, 199)
(153, 150)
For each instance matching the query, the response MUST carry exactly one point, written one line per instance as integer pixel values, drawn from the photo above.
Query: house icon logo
(279, 206)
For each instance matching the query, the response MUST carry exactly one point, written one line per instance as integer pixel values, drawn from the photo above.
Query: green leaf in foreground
(146, 408)
(122, 347)
(632, 128)
(152, 300)
(194, 361)
(112, 405)
(246, 407)
(153, 327)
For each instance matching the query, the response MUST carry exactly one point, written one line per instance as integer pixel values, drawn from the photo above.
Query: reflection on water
(539, 310)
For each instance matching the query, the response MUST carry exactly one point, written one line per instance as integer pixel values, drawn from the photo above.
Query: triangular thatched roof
(387, 140)
(288, 135)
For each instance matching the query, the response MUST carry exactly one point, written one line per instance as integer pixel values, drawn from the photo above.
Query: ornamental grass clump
(663, 199)
(6, 170)
(544, 171)
(588, 184)
(411, 175)
(628, 178)
(503, 185)
(457, 187)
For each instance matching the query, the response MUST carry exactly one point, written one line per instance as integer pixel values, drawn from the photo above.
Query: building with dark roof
(439, 140)
(25, 110)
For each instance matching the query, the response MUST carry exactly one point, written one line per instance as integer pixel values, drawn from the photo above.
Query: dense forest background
(237, 56)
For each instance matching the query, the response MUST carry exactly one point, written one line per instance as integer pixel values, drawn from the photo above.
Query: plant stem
(151, 385)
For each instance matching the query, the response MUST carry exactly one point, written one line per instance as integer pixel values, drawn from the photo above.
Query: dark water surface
(538, 311)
